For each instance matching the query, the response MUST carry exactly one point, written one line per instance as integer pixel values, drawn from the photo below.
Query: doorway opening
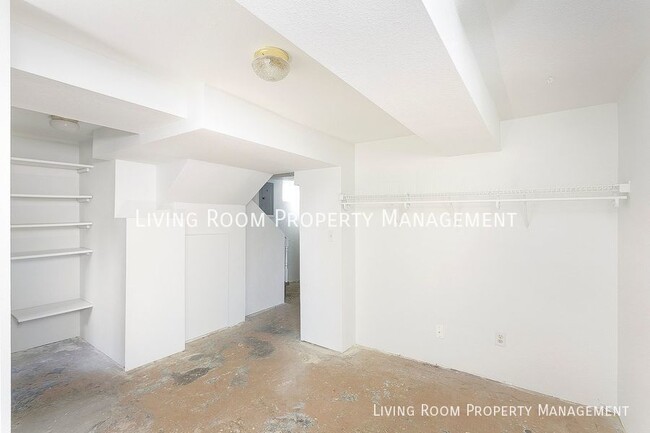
(284, 195)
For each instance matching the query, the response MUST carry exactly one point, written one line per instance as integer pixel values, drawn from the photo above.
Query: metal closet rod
(615, 192)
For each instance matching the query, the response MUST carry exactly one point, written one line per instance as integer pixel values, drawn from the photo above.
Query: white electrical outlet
(500, 339)
(440, 331)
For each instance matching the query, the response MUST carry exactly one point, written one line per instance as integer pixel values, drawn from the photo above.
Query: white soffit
(553, 55)
(212, 41)
(36, 93)
(210, 146)
(411, 59)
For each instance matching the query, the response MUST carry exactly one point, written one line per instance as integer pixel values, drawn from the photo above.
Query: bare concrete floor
(258, 377)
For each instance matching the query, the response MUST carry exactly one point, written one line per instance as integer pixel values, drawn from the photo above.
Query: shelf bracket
(344, 204)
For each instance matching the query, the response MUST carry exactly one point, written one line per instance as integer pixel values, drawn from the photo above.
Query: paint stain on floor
(258, 377)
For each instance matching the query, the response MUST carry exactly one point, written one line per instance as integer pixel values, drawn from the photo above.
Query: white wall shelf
(81, 168)
(51, 232)
(50, 253)
(49, 310)
(80, 198)
(81, 225)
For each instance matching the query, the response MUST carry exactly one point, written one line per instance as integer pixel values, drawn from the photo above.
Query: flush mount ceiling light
(63, 124)
(271, 64)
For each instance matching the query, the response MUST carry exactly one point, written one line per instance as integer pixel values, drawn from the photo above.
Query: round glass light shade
(63, 124)
(271, 64)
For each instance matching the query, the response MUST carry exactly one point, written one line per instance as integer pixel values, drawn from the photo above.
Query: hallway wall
(291, 205)
(264, 263)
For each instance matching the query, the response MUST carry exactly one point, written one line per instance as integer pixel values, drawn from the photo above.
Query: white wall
(325, 316)
(124, 322)
(215, 257)
(5, 288)
(634, 253)
(103, 277)
(191, 181)
(264, 264)
(155, 292)
(550, 287)
(44, 281)
(136, 188)
(206, 284)
(290, 204)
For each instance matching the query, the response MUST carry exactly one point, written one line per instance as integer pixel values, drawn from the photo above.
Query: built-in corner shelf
(50, 253)
(81, 225)
(81, 168)
(49, 310)
(80, 198)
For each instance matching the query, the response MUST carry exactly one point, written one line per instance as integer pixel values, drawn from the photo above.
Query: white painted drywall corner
(264, 263)
(103, 276)
(634, 253)
(325, 318)
(348, 265)
(5, 205)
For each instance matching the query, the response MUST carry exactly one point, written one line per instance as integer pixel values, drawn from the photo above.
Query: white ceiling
(590, 48)
(410, 57)
(213, 41)
(391, 52)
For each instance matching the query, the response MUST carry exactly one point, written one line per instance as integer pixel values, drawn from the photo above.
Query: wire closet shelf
(613, 192)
